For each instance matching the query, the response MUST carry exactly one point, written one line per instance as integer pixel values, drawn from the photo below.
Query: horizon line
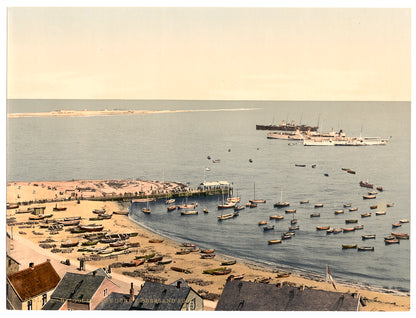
(208, 100)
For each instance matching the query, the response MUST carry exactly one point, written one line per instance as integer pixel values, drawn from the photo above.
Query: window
(29, 305)
(191, 304)
(44, 299)
(105, 292)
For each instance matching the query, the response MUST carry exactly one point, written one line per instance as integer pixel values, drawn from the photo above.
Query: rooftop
(34, 281)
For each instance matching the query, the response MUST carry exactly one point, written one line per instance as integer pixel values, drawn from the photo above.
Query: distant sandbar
(106, 112)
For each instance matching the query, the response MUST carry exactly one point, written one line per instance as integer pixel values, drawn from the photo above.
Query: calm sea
(175, 146)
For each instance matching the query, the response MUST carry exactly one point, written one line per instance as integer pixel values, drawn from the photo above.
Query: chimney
(178, 284)
(93, 273)
(31, 265)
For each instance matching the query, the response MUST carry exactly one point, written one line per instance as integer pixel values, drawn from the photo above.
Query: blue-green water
(175, 146)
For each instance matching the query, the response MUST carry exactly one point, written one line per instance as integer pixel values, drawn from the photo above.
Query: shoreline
(312, 276)
(92, 113)
(208, 285)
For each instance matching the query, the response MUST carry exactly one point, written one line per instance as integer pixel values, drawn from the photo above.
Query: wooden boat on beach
(156, 241)
(222, 272)
(180, 270)
(69, 243)
(322, 228)
(121, 212)
(188, 244)
(208, 251)
(207, 256)
(228, 263)
(69, 222)
(365, 248)
(234, 199)
(210, 271)
(368, 237)
(165, 261)
(274, 242)
(117, 244)
(56, 208)
(349, 246)
(98, 211)
(91, 227)
(154, 259)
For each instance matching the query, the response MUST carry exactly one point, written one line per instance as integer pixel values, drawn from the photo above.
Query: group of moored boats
(311, 137)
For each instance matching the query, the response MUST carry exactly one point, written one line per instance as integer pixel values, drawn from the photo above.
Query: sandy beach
(148, 243)
(106, 112)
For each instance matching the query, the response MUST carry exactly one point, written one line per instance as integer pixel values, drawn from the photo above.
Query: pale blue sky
(209, 53)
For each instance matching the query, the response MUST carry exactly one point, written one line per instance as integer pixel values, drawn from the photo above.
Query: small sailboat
(282, 204)
(147, 209)
(256, 200)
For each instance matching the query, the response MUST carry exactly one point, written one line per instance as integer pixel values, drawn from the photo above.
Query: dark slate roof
(115, 301)
(53, 304)
(155, 296)
(77, 287)
(31, 282)
(182, 281)
(249, 296)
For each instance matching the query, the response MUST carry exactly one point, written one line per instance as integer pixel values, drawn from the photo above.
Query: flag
(329, 276)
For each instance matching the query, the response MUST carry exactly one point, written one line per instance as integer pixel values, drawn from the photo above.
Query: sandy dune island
(106, 112)
(42, 237)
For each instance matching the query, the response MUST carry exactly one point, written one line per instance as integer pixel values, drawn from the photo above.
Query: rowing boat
(347, 246)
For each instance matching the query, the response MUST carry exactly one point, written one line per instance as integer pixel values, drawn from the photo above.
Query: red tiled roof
(31, 282)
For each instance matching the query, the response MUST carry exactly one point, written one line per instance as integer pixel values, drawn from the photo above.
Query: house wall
(99, 296)
(198, 302)
(76, 306)
(12, 297)
(11, 266)
(17, 304)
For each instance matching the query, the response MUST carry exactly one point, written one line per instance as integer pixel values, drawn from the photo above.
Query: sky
(214, 53)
